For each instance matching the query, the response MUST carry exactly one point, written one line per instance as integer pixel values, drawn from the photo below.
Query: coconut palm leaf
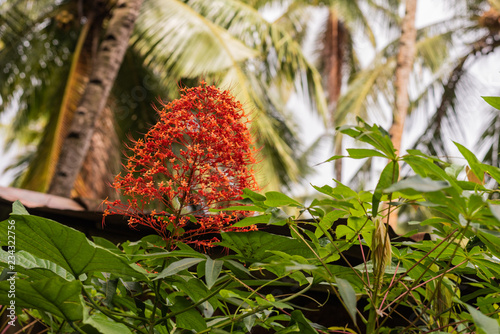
(38, 175)
(177, 40)
(256, 59)
(175, 43)
(281, 54)
(38, 86)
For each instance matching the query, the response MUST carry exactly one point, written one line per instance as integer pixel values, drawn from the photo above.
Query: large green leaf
(196, 291)
(254, 245)
(35, 267)
(304, 325)
(247, 221)
(177, 266)
(106, 325)
(348, 295)
(54, 295)
(212, 271)
(275, 198)
(190, 319)
(485, 324)
(416, 185)
(66, 247)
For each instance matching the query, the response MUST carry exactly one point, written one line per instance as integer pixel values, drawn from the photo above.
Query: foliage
(442, 82)
(443, 285)
(47, 49)
(197, 157)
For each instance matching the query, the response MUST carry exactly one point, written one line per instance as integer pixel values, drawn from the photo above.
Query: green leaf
(355, 226)
(327, 222)
(278, 216)
(66, 247)
(389, 175)
(348, 295)
(247, 193)
(493, 101)
(361, 153)
(247, 221)
(491, 241)
(34, 267)
(340, 191)
(252, 246)
(196, 290)
(177, 266)
(485, 324)
(493, 171)
(416, 185)
(19, 209)
(106, 325)
(212, 271)
(54, 295)
(304, 324)
(390, 269)
(474, 163)
(335, 157)
(105, 243)
(428, 168)
(161, 255)
(276, 199)
(372, 135)
(237, 268)
(240, 208)
(190, 319)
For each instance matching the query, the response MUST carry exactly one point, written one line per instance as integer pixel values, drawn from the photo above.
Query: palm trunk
(334, 57)
(406, 55)
(102, 162)
(108, 61)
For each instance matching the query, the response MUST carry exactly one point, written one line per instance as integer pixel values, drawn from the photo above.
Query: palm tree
(334, 47)
(444, 54)
(481, 25)
(337, 52)
(105, 66)
(174, 41)
(406, 54)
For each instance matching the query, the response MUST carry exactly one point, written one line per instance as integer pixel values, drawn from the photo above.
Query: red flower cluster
(197, 157)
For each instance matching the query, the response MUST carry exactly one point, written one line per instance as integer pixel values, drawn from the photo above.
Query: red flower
(197, 157)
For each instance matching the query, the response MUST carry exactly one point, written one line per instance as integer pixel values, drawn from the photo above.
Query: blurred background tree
(47, 50)
(49, 47)
(440, 83)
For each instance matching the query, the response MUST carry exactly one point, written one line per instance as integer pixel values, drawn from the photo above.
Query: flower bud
(381, 250)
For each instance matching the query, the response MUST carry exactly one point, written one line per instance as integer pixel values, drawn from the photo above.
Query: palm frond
(178, 41)
(258, 60)
(447, 113)
(281, 54)
(274, 135)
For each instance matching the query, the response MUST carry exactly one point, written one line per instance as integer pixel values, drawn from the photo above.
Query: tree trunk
(333, 56)
(108, 61)
(102, 162)
(406, 55)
